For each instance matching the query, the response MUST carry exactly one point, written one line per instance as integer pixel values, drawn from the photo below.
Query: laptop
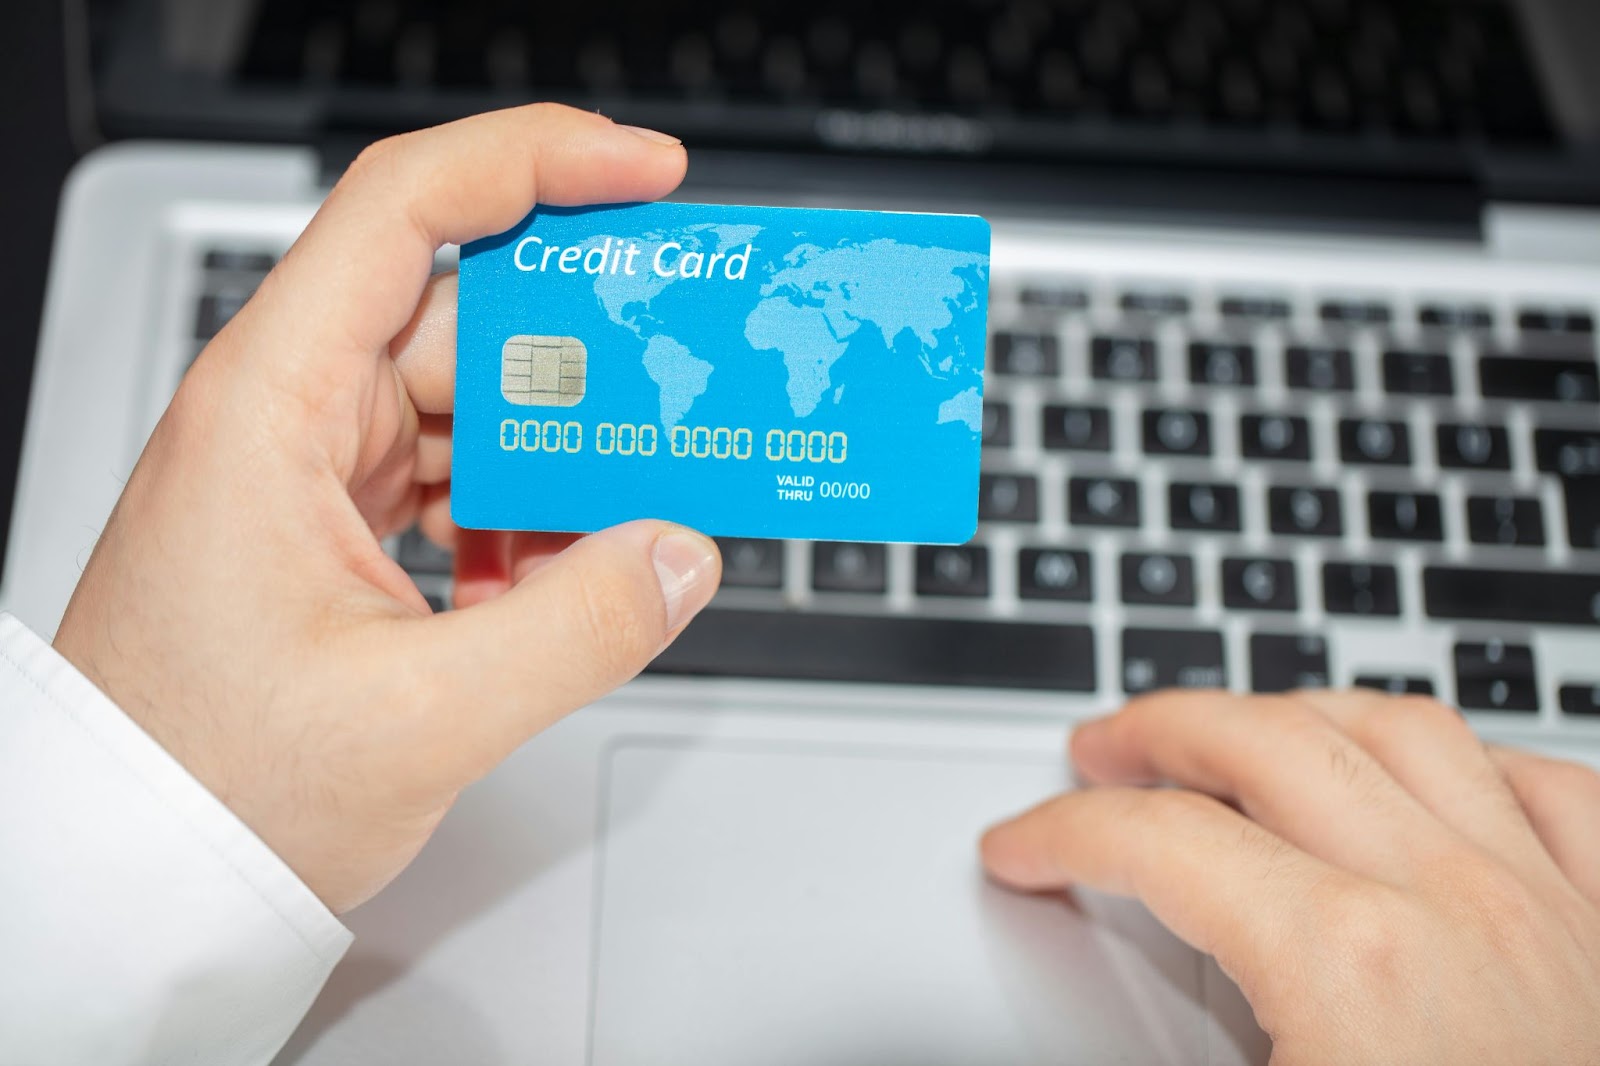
(1291, 381)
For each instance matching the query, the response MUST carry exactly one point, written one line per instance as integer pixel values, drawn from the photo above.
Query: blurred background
(1287, 105)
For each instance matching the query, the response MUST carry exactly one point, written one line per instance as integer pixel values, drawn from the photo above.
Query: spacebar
(1512, 596)
(884, 649)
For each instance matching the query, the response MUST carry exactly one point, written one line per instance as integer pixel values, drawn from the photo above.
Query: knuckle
(1362, 932)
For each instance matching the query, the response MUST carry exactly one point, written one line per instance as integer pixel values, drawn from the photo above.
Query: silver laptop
(1292, 381)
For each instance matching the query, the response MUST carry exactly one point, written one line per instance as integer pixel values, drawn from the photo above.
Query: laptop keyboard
(1207, 487)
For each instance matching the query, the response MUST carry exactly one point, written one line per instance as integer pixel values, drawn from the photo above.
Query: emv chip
(543, 371)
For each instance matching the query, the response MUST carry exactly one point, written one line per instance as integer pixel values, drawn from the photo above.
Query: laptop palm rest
(824, 905)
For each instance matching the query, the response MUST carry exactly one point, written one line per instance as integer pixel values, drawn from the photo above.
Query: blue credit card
(747, 371)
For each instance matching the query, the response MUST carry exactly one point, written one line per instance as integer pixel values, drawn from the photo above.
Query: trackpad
(785, 904)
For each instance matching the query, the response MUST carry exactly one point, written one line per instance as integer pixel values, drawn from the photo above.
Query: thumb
(573, 630)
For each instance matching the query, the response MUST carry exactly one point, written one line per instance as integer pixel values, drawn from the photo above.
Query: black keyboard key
(1555, 320)
(1568, 453)
(952, 570)
(1320, 369)
(1581, 699)
(751, 564)
(1396, 684)
(419, 555)
(1103, 501)
(235, 261)
(1125, 359)
(1259, 585)
(1525, 377)
(436, 603)
(849, 567)
(883, 649)
(1470, 446)
(1176, 431)
(1374, 441)
(1220, 363)
(1031, 355)
(1305, 512)
(1172, 658)
(1286, 438)
(1509, 520)
(996, 424)
(1533, 596)
(1404, 516)
(1208, 508)
(1281, 662)
(1055, 574)
(1355, 312)
(1158, 580)
(1360, 589)
(1418, 374)
(1008, 498)
(1496, 676)
(1072, 428)
(1258, 308)
(215, 311)
(1155, 304)
(1583, 513)
(1054, 297)
(1464, 317)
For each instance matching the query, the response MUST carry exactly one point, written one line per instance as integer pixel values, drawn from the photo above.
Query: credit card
(746, 371)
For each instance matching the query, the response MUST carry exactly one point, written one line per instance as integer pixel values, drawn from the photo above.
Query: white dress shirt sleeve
(140, 920)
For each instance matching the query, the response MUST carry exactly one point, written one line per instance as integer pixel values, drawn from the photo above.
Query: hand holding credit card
(748, 371)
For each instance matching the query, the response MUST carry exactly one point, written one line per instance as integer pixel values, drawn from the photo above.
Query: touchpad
(792, 904)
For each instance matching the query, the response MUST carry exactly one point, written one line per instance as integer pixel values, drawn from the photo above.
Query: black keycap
(1054, 297)
(1319, 369)
(419, 555)
(1213, 508)
(1496, 676)
(1396, 684)
(1158, 580)
(1581, 699)
(1167, 658)
(996, 424)
(1569, 453)
(884, 650)
(1220, 363)
(1355, 312)
(1374, 441)
(1465, 317)
(751, 564)
(1126, 359)
(1583, 513)
(1259, 585)
(1008, 498)
(1032, 355)
(235, 261)
(1162, 304)
(1555, 320)
(1569, 599)
(1418, 374)
(1055, 574)
(1511, 520)
(849, 567)
(1471, 446)
(1073, 428)
(1524, 377)
(1305, 512)
(436, 603)
(215, 310)
(1260, 308)
(1102, 501)
(1360, 589)
(1280, 662)
(952, 570)
(1280, 437)
(1176, 431)
(1404, 516)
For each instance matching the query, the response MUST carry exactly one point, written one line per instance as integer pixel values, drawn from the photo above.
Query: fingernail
(652, 135)
(686, 566)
